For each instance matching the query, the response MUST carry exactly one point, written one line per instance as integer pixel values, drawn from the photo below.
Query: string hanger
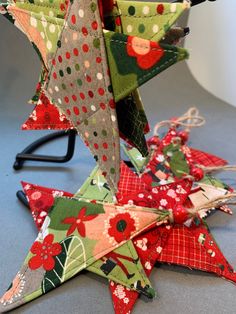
(191, 119)
(216, 169)
(181, 214)
(228, 199)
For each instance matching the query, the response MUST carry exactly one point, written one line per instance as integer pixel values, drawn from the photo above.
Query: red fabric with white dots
(41, 200)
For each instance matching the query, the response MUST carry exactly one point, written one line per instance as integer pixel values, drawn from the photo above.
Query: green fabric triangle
(135, 157)
(52, 8)
(123, 266)
(134, 61)
(41, 24)
(149, 20)
(132, 122)
(95, 188)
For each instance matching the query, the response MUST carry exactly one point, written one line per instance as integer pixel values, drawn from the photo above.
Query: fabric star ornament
(174, 144)
(76, 53)
(171, 157)
(135, 124)
(70, 240)
(191, 246)
(39, 195)
(123, 264)
(172, 160)
(162, 243)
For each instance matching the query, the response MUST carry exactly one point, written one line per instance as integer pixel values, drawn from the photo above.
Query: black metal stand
(26, 154)
(22, 198)
(194, 2)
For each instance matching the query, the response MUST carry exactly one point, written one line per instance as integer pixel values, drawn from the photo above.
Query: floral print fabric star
(160, 243)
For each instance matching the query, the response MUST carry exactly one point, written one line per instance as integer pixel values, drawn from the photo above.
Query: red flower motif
(78, 222)
(147, 52)
(44, 253)
(121, 227)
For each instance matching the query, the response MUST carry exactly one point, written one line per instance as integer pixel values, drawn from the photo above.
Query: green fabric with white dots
(149, 20)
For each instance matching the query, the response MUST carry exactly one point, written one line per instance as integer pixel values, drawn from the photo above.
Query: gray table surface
(172, 93)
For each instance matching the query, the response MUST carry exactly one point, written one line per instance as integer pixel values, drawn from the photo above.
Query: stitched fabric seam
(94, 257)
(37, 5)
(142, 79)
(37, 16)
(50, 70)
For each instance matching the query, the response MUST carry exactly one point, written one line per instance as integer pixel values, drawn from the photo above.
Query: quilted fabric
(196, 248)
(96, 122)
(206, 159)
(149, 247)
(149, 20)
(133, 61)
(46, 116)
(129, 182)
(69, 39)
(192, 247)
(71, 240)
(132, 124)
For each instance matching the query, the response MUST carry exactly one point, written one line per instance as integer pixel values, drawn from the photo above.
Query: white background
(212, 46)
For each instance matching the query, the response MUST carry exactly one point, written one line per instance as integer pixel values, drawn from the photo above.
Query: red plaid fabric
(206, 159)
(196, 248)
(129, 182)
(192, 247)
